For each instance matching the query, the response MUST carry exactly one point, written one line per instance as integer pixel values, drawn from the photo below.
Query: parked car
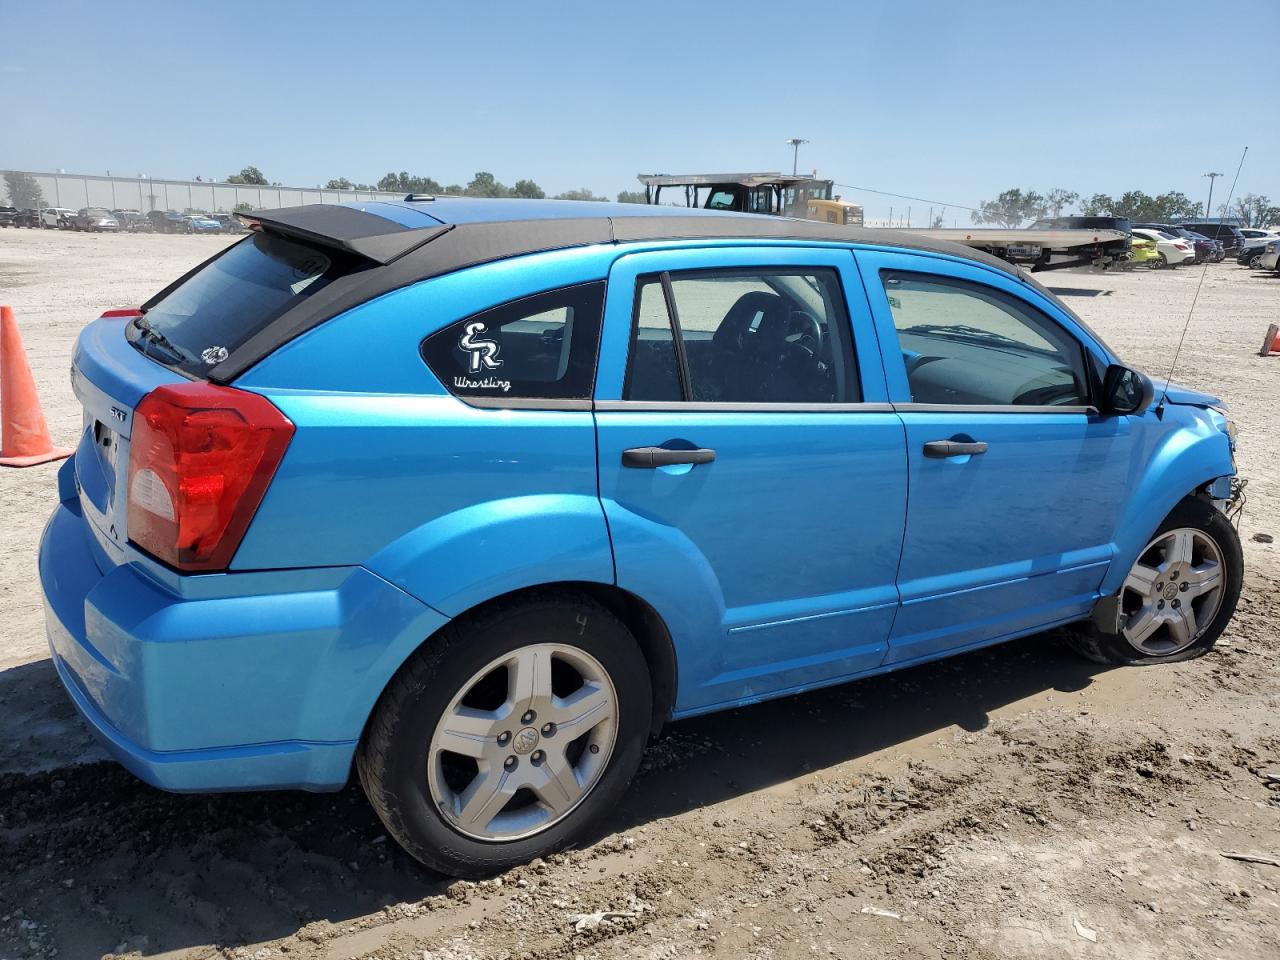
(202, 223)
(1171, 248)
(229, 223)
(28, 217)
(1228, 234)
(95, 220)
(1254, 233)
(1253, 252)
(1143, 253)
(132, 221)
(167, 221)
(1270, 256)
(1202, 247)
(472, 497)
(59, 218)
(8, 216)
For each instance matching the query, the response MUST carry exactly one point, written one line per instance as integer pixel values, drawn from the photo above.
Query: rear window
(209, 315)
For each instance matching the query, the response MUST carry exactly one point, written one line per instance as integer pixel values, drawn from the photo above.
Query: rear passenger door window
(753, 336)
(538, 347)
(963, 343)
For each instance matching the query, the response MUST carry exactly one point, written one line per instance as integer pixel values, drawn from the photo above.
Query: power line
(903, 196)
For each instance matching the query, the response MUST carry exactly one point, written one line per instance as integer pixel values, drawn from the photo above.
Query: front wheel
(509, 735)
(1179, 595)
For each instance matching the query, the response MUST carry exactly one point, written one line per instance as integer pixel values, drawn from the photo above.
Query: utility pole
(794, 144)
(1208, 210)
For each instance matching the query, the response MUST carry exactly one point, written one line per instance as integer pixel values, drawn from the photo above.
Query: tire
(418, 788)
(1206, 525)
(1159, 263)
(1255, 262)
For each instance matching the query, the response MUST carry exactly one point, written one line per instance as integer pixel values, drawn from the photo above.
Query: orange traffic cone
(26, 439)
(1271, 343)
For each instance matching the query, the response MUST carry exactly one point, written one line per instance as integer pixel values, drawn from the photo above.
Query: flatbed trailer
(1044, 249)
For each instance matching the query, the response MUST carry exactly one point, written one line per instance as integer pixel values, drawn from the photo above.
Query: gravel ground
(1016, 802)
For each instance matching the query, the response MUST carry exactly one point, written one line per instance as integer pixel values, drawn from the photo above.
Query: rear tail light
(200, 459)
(1181, 246)
(124, 313)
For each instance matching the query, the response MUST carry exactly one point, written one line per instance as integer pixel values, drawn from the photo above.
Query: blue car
(472, 496)
(198, 223)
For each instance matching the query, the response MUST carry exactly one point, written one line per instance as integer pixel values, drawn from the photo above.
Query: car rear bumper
(239, 684)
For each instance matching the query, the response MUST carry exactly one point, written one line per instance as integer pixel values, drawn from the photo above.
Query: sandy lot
(1017, 802)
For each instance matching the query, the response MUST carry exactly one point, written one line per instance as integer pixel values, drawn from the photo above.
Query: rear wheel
(508, 736)
(1159, 263)
(1179, 595)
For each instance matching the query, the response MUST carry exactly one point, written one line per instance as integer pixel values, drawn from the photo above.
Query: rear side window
(541, 347)
(205, 318)
(757, 336)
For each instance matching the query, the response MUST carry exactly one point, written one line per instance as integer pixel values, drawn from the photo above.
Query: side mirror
(1126, 391)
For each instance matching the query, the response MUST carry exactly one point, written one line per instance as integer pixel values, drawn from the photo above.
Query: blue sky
(942, 100)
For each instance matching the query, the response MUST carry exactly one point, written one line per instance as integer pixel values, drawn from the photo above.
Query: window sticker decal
(483, 353)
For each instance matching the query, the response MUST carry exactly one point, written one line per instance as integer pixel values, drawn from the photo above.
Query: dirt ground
(1013, 803)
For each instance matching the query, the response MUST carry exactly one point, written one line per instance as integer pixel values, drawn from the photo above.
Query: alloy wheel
(523, 743)
(1173, 592)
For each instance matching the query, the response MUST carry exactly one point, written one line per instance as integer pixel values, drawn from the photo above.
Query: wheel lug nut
(537, 757)
(510, 763)
(504, 738)
(1159, 587)
(1176, 604)
(548, 729)
(1160, 605)
(1182, 587)
(595, 748)
(529, 717)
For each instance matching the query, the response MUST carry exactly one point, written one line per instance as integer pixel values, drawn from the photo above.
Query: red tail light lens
(200, 459)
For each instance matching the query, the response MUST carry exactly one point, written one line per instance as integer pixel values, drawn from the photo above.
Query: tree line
(1012, 207)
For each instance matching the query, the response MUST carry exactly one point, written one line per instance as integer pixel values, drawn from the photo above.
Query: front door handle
(941, 449)
(651, 457)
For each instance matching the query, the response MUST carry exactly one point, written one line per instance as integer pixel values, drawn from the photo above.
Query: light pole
(794, 143)
(1208, 210)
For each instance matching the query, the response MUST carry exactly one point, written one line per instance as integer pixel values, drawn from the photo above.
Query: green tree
(250, 175)
(402, 182)
(22, 189)
(1010, 208)
(1142, 207)
(1252, 210)
(342, 183)
(485, 184)
(581, 194)
(528, 189)
(242, 207)
(631, 196)
(1057, 200)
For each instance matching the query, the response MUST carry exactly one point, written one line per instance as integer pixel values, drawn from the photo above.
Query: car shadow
(239, 869)
(1080, 292)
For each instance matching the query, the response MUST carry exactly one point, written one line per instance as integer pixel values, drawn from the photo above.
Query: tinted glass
(231, 298)
(539, 347)
(963, 343)
(748, 336)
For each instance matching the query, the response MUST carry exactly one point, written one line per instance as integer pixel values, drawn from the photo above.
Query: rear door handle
(651, 457)
(940, 449)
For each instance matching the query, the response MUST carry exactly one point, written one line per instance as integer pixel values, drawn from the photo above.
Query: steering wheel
(803, 330)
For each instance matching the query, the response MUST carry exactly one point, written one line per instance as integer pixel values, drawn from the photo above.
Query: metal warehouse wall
(130, 193)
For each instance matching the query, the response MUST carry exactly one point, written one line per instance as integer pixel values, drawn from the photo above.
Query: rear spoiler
(366, 235)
